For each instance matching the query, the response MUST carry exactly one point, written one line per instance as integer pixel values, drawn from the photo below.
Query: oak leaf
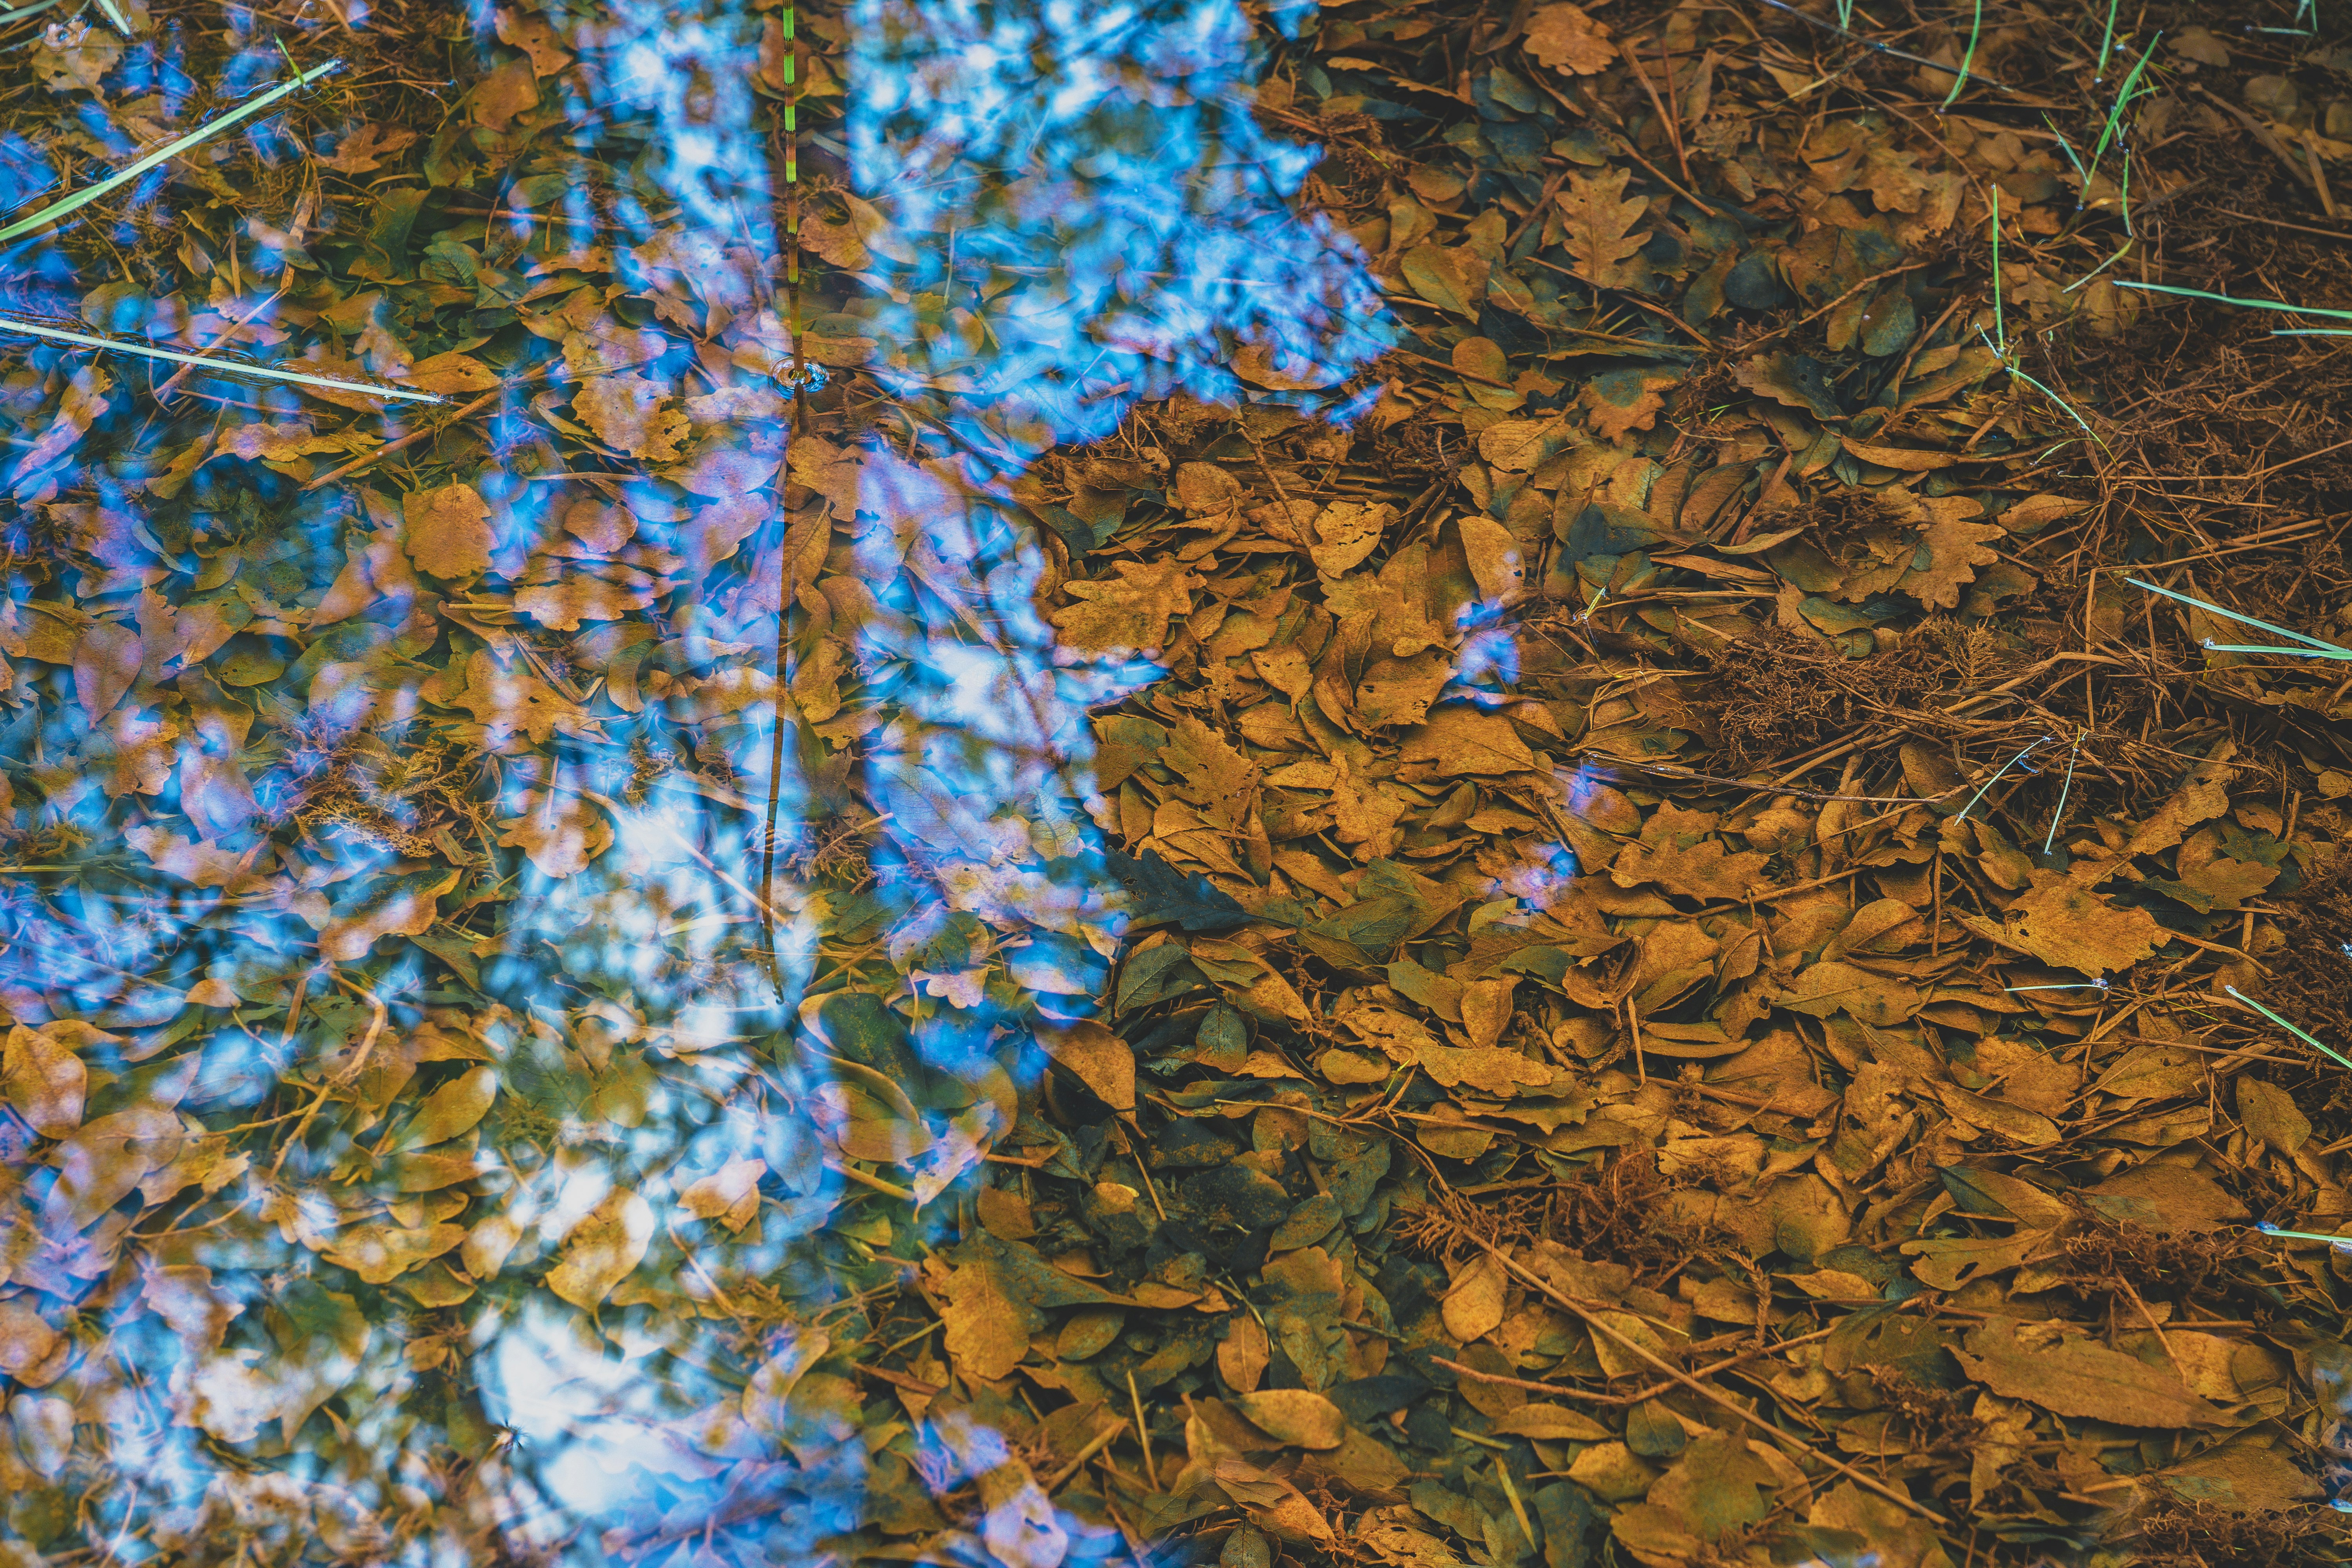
(1677, 854)
(365, 148)
(628, 414)
(1953, 547)
(1600, 221)
(1129, 611)
(1563, 37)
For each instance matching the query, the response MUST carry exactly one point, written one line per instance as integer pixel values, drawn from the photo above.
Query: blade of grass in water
(2115, 115)
(115, 17)
(2341, 1243)
(2063, 790)
(1997, 777)
(2231, 300)
(2326, 649)
(2290, 1028)
(1999, 323)
(80, 199)
(2068, 148)
(220, 366)
(1976, 29)
(2212, 646)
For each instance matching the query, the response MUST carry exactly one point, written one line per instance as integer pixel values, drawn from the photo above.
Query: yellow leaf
(452, 1110)
(599, 1252)
(1295, 1415)
(1473, 1309)
(380, 1254)
(45, 1081)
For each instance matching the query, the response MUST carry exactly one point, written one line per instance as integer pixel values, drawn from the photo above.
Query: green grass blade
(2231, 300)
(115, 17)
(58, 209)
(2328, 647)
(225, 367)
(2107, 41)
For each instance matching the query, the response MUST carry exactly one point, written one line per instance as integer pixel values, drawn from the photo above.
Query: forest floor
(1720, 938)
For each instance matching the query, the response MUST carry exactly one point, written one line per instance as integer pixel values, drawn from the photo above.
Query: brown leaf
(1128, 612)
(536, 39)
(2068, 926)
(448, 534)
(1463, 741)
(730, 1195)
(1100, 1059)
(453, 1109)
(508, 90)
(1563, 37)
(106, 663)
(1954, 547)
(631, 414)
(1676, 853)
(1599, 220)
(364, 150)
(2073, 1376)
(380, 1254)
(560, 832)
(1243, 1353)
(1349, 531)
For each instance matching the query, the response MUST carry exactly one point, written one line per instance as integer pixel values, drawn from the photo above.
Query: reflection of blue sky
(639, 1042)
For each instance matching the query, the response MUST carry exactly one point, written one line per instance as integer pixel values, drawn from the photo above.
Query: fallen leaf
(602, 1249)
(1295, 1415)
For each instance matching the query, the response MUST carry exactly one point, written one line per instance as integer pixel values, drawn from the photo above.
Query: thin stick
(787, 586)
(369, 459)
(1142, 1430)
(1592, 1316)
